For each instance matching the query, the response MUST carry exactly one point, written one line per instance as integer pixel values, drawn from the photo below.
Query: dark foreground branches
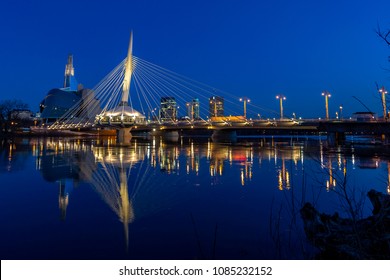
(339, 238)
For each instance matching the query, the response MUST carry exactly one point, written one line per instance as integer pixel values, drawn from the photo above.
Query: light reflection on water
(187, 200)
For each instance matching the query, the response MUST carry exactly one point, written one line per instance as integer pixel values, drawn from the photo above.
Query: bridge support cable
(151, 84)
(199, 89)
(152, 107)
(84, 112)
(160, 87)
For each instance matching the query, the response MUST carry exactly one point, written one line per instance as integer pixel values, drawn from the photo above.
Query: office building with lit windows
(168, 109)
(193, 109)
(216, 106)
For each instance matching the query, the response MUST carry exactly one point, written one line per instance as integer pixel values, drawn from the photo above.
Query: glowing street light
(245, 100)
(327, 95)
(383, 92)
(281, 98)
(341, 112)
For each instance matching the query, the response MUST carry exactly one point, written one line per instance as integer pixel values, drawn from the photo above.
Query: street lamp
(383, 92)
(281, 98)
(341, 112)
(327, 95)
(245, 100)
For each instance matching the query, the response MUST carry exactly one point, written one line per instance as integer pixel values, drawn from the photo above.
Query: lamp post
(327, 95)
(245, 100)
(281, 98)
(341, 112)
(383, 93)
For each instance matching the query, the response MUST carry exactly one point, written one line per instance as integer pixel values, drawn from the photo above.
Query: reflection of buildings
(169, 158)
(193, 154)
(113, 171)
(283, 177)
(217, 154)
(289, 156)
(331, 183)
(64, 162)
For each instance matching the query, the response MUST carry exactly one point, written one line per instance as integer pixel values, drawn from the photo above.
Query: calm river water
(70, 198)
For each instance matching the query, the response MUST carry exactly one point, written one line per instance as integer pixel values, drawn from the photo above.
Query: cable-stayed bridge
(138, 95)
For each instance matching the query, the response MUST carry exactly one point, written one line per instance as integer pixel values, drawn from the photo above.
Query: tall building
(168, 109)
(70, 82)
(193, 109)
(59, 100)
(216, 106)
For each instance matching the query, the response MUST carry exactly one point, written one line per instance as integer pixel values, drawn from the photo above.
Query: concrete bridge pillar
(224, 136)
(171, 136)
(123, 135)
(336, 138)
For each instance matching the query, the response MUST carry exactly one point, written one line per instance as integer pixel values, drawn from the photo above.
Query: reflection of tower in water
(63, 162)
(63, 199)
(111, 181)
(125, 180)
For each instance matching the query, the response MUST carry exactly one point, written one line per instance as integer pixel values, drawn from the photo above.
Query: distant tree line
(11, 116)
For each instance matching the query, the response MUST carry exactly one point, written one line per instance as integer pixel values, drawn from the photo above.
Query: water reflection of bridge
(124, 176)
(68, 157)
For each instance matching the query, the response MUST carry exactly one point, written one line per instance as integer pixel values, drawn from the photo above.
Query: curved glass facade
(57, 102)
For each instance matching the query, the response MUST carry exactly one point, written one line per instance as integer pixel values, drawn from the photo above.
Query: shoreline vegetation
(350, 238)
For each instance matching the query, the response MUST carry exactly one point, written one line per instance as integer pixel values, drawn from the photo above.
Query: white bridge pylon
(123, 115)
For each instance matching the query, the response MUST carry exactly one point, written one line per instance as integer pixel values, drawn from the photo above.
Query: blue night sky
(248, 48)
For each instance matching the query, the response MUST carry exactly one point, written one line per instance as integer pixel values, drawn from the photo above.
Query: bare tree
(385, 35)
(9, 112)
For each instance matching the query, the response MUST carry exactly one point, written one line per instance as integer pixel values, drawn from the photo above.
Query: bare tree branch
(385, 35)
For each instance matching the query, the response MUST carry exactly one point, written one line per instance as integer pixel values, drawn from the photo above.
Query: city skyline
(252, 49)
